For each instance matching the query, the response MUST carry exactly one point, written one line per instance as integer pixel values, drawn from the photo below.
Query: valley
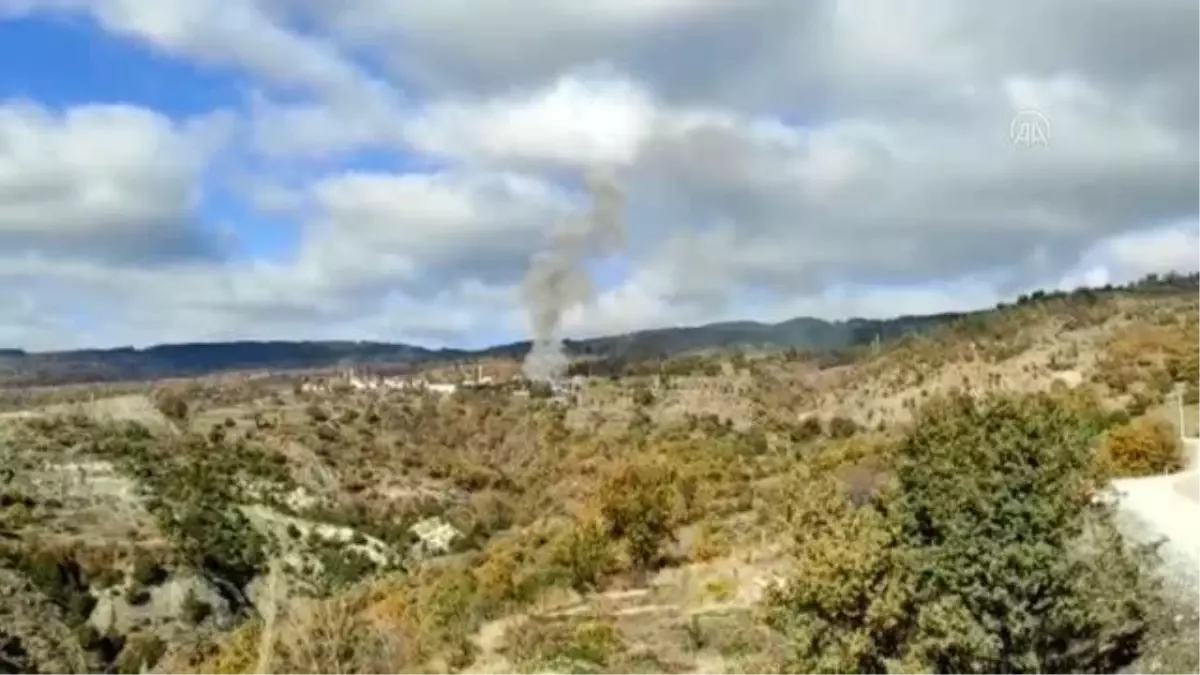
(727, 510)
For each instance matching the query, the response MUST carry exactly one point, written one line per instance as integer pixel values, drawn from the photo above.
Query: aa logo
(1029, 128)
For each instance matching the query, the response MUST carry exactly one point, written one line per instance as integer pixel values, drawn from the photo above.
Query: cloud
(103, 181)
(580, 120)
(384, 256)
(429, 230)
(235, 33)
(779, 158)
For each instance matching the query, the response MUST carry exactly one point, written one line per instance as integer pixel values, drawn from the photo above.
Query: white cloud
(102, 180)
(583, 120)
(384, 256)
(1174, 247)
(241, 33)
(429, 230)
(781, 158)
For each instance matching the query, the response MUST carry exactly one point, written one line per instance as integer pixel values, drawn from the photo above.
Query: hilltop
(20, 368)
(642, 523)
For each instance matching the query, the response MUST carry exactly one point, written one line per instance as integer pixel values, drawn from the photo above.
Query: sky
(197, 170)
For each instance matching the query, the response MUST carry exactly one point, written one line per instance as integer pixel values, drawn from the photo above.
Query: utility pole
(1179, 407)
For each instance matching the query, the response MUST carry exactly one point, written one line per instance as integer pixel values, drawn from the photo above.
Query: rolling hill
(20, 368)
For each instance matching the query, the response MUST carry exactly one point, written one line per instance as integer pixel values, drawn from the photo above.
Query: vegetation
(1142, 447)
(173, 406)
(637, 510)
(924, 497)
(994, 491)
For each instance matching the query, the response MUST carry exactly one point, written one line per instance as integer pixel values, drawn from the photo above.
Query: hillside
(18, 368)
(249, 525)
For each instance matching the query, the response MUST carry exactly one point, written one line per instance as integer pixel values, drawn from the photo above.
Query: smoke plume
(557, 278)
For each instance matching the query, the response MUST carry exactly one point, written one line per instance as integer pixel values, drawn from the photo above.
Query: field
(643, 525)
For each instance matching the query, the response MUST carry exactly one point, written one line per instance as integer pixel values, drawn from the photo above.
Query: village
(356, 379)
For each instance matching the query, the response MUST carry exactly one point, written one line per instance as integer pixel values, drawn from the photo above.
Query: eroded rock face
(1071, 378)
(173, 606)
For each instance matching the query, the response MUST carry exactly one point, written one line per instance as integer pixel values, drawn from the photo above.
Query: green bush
(637, 504)
(59, 576)
(195, 610)
(842, 427)
(584, 555)
(986, 556)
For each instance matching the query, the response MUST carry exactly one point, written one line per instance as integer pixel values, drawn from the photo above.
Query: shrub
(584, 555)
(711, 543)
(136, 594)
(140, 654)
(328, 433)
(335, 636)
(556, 646)
(148, 572)
(59, 576)
(172, 406)
(842, 427)
(498, 580)
(636, 502)
(1144, 447)
(807, 430)
(14, 657)
(979, 559)
(643, 397)
(195, 610)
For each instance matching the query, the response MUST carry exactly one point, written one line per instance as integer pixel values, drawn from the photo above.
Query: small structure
(568, 392)
(434, 537)
(443, 388)
(480, 380)
(355, 380)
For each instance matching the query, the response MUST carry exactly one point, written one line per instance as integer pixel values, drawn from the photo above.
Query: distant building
(357, 381)
(480, 380)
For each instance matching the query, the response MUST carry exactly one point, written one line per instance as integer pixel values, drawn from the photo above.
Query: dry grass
(531, 487)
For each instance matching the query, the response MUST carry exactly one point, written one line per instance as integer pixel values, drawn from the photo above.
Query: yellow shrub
(236, 653)
(547, 645)
(722, 589)
(710, 543)
(1144, 447)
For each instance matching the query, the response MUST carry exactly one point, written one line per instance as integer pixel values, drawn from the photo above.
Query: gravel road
(1166, 508)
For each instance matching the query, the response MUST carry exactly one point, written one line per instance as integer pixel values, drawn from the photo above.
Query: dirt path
(1166, 508)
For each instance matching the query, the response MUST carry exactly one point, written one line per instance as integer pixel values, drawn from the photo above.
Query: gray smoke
(557, 278)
